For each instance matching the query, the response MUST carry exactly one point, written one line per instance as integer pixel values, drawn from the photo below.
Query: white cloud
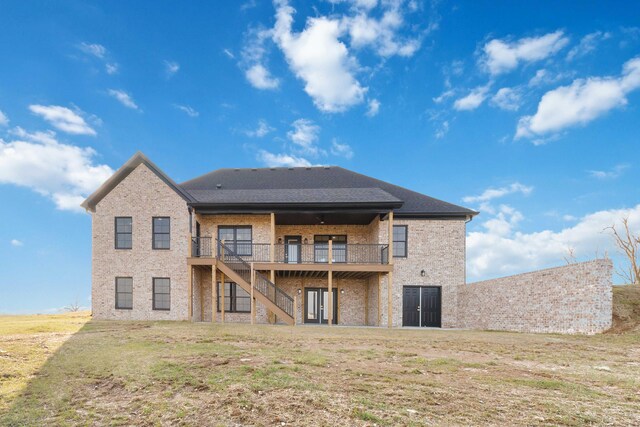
(261, 78)
(495, 193)
(587, 44)
(4, 120)
(281, 160)
(47, 137)
(62, 172)
(263, 129)
(473, 100)
(374, 107)
(610, 174)
(545, 77)
(581, 102)
(171, 68)
(124, 98)
(188, 110)
(304, 135)
(112, 68)
(100, 52)
(381, 34)
(502, 56)
(16, 242)
(229, 54)
(320, 59)
(442, 130)
(508, 99)
(444, 95)
(63, 119)
(499, 251)
(93, 49)
(341, 150)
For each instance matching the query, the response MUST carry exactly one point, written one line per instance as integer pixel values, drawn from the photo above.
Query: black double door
(316, 305)
(421, 306)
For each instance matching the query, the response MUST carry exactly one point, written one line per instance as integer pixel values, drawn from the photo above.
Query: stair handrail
(280, 298)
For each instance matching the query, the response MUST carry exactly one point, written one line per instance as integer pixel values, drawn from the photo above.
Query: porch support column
(272, 252)
(330, 297)
(253, 301)
(222, 278)
(390, 275)
(366, 303)
(272, 256)
(190, 293)
(214, 293)
(379, 299)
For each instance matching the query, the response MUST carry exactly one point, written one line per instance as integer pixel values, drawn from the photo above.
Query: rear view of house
(318, 245)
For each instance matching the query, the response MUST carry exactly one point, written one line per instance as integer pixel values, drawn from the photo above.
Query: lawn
(68, 370)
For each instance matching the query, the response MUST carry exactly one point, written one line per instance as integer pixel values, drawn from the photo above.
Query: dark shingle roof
(311, 185)
(294, 195)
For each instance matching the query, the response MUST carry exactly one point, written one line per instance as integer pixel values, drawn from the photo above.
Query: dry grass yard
(68, 370)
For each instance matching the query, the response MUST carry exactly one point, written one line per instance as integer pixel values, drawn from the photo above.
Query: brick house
(293, 245)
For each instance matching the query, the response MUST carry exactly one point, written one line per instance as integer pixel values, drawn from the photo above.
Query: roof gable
(136, 160)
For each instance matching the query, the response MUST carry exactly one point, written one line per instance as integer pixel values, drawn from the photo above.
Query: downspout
(190, 209)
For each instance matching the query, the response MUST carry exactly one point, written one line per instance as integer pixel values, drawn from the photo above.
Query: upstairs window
(124, 293)
(237, 238)
(161, 232)
(124, 228)
(400, 241)
(161, 293)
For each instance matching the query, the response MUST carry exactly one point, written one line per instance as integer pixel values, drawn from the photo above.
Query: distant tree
(73, 307)
(570, 258)
(629, 245)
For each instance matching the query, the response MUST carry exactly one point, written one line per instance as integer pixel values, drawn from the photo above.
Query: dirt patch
(626, 309)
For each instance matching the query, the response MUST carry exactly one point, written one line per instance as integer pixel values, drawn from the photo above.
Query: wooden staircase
(265, 291)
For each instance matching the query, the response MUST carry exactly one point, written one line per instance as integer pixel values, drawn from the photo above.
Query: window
(161, 232)
(236, 238)
(321, 248)
(161, 293)
(236, 299)
(124, 293)
(124, 227)
(400, 241)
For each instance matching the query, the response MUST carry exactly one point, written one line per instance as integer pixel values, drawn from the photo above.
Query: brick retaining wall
(576, 298)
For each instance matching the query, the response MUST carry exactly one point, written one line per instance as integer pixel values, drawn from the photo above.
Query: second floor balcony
(291, 253)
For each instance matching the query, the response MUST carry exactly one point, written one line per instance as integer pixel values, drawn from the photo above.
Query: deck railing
(300, 253)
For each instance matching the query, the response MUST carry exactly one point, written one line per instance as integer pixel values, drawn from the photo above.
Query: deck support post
(330, 297)
(390, 275)
(222, 280)
(366, 303)
(253, 301)
(190, 292)
(379, 299)
(214, 293)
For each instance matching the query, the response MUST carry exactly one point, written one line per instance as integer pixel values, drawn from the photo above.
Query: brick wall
(437, 247)
(576, 298)
(141, 195)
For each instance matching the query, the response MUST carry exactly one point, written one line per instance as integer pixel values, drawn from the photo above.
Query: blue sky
(526, 111)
